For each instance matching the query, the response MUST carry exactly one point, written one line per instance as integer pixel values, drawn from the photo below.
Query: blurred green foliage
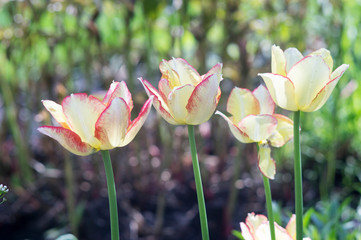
(52, 48)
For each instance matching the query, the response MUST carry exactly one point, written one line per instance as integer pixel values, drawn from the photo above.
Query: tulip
(88, 125)
(300, 83)
(253, 120)
(257, 228)
(185, 97)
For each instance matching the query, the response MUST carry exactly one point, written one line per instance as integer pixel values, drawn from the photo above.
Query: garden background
(49, 49)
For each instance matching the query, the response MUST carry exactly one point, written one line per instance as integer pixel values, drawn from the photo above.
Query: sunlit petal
(282, 90)
(278, 63)
(68, 139)
(246, 233)
(119, 90)
(266, 104)
(56, 110)
(265, 163)
(203, 101)
(137, 123)
(187, 74)
(283, 132)
(164, 88)
(258, 127)
(326, 55)
(292, 56)
(237, 133)
(178, 100)
(112, 124)
(159, 104)
(254, 221)
(241, 103)
(309, 76)
(291, 227)
(82, 112)
(217, 69)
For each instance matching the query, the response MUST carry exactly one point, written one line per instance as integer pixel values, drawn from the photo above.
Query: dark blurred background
(49, 49)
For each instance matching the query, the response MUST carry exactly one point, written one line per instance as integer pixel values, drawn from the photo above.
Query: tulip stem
(298, 176)
(198, 181)
(267, 190)
(113, 210)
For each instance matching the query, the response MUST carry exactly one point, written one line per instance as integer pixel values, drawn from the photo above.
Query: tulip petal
(237, 133)
(246, 233)
(178, 100)
(322, 96)
(137, 123)
(164, 88)
(116, 90)
(266, 104)
(263, 232)
(266, 164)
(158, 102)
(309, 76)
(82, 112)
(56, 110)
(112, 124)
(241, 103)
(216, 69)
(278, 61)
(185, 72)
(68, 139)
(282, 90)
(292, 56)
(203, 101)
(254, 221)
(283, 132)
(291, 227)
(326, 55)
(258, 127)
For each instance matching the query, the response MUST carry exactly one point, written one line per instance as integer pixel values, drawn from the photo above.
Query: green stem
(198, 180)
(267, 191)
(298, 176)
(114, 226)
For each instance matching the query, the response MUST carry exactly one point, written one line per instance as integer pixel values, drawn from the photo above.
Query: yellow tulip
(300, 83)
(253, 120)
(89, 125)
(257, 228)
(185, 97)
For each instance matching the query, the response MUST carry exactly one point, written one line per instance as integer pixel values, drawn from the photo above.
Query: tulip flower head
(185, 97)
(299, 83)
(88, 125)
(257, 228)
(253, 120)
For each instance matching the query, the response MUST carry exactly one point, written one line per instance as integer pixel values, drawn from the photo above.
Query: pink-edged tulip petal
(203, 101)
(326, 56)
(112, 124)
(254, 221)
(56, 110)
(309, 76)
(282, 90)
(291, 227)
(186, 73)
(325, 92)
(267, 105)
(164, 88)
(263, 232)
(82, 112)
(159, 104)
(137, 123)
(292, 56)
(116, 90)
(237, 133)
(258, 127)
(278, 61)
(216, 69)
(178, 100)
(266, 164)
(283, 132)
(241, 103)
(246, 233)
(68, 139)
